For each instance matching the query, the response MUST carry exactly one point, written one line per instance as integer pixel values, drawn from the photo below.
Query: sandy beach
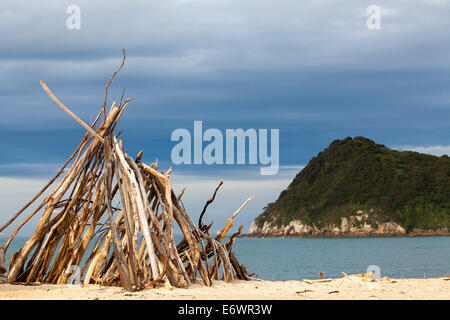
(342, 288)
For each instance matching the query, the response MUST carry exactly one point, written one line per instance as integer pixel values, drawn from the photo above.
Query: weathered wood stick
(181, 193)
(95, 209)
(168, 196)
(110, 80)
(132, 250)
(137, 200)
(70, 113)
(317, 281)
(2, 261)
(169, 215)
(102, 254)
(176, 275)
(47, 199)
(66, 255)
(141, 191)
(230, 221)
(93, 253)
(200, 222)
(120, 260)
(73, 254)
(58, 230)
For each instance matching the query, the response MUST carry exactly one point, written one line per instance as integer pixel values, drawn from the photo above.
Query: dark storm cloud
(311, 69)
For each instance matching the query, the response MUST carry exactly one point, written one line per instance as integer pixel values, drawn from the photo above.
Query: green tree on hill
(352, 174)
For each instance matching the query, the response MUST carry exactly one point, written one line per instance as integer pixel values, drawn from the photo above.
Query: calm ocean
(305, 258)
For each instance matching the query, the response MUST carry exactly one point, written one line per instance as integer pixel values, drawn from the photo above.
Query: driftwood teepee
(130, 244)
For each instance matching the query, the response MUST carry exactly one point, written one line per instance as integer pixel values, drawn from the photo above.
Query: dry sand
(342, 288)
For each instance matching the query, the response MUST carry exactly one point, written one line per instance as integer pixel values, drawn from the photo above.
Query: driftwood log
(2, 261)
(112, 218)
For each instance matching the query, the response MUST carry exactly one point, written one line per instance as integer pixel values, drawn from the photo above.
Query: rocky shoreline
(427, 233)
(357, 226)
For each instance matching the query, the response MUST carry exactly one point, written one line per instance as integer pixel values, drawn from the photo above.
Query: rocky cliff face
(356, 225)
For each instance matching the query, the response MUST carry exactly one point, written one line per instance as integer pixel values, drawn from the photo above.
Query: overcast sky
(311, 69)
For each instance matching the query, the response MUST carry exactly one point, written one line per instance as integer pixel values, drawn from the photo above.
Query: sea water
(305, 258)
